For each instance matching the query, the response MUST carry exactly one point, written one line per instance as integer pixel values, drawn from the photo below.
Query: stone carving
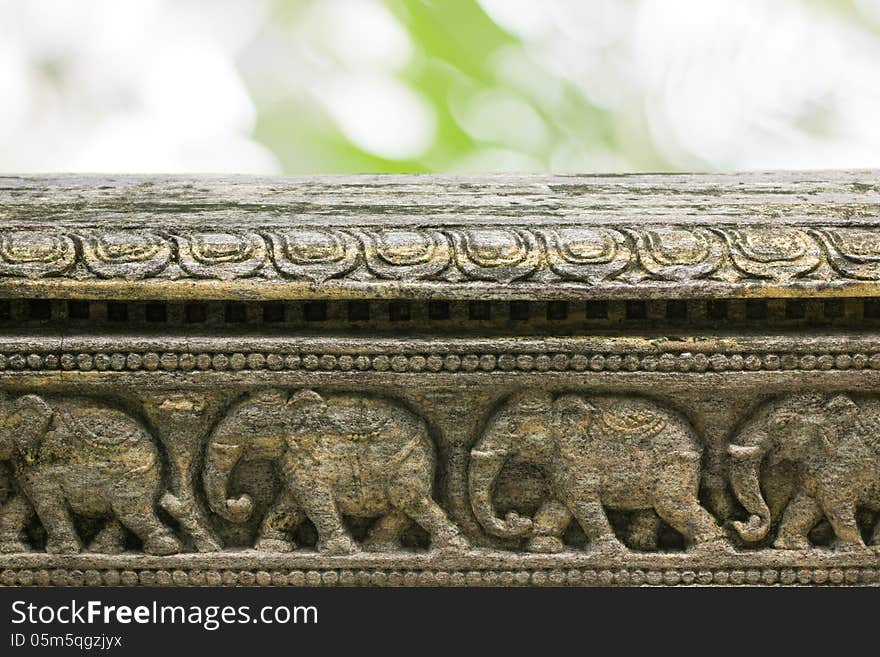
(679, 254)
(222, 256)
(78, 455)
(805, 461)
(496, 254)
(316, 255)
(703, 408)
(509, 254)
(553, 358)
(832, 440)
(852, 252)
(125, 255)
(338, 455)
(35, 253)
(405, 253)
(779, 254)
(586, 254)
(624, 453)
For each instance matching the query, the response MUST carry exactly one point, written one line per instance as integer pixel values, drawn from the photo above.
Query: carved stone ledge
(503, 237)
(516, 381)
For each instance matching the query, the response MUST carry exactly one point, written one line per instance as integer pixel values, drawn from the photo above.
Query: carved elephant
(82, 456)
(338, 455)
(833, 443)
(623, 453)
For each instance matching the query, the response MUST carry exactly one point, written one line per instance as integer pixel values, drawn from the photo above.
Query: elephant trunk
(484, 469)
(220, 461)
(744, 472)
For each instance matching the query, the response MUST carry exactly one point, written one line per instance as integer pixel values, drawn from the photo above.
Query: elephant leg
(685, 515)
(799, 517)
(284, 516)
(675, 501)
(409, 490)
(50, 506)
(644, 526)
(841, 513)
(549, 523)
(591, 516)
(384, 535)
(138, 515)
(426, 512)
(110, 540)
(185, 511)
(15, 514)
(316, 499)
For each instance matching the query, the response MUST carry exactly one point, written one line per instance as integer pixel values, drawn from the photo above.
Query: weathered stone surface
(632, 380)
(503, 237)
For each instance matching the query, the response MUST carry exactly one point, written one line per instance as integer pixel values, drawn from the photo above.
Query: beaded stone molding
(537, 361)
(437, 381)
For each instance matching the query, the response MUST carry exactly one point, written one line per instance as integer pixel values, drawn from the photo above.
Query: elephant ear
(571, 408)
(571, 416)
(842, 407)
(306, 403)
(29, 419)
(842, 412)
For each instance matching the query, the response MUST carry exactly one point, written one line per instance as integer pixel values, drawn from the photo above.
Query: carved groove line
(428, 362)
(499, 254)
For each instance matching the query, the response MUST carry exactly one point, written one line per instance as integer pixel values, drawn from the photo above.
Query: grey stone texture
(427, 380)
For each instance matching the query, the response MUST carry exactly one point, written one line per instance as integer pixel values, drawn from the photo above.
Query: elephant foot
(643, 530)
(792, 543)
(13, 546)
(643, 542)
(204, 542)
(110, 540)
(161, 544)
(608, 546)
(839, 545)
(274, 545)
(62, 546)
(712, 546)
(338, 545)
(381, 545)
(545, 544)
(452, 543)
(105, 547)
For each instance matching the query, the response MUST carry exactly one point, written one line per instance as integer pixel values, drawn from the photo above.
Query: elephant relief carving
(86, 457)
(621, 453)
(337, 455)
(831, 443)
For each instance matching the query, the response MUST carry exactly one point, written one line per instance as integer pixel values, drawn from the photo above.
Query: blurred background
(460, 86)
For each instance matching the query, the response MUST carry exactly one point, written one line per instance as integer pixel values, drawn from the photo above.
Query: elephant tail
(185, 513)
(398, 459)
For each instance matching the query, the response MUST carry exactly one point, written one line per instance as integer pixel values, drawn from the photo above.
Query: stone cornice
(785, 234)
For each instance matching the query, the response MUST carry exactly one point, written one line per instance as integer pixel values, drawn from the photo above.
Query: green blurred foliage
(457, 50)
(497, 106)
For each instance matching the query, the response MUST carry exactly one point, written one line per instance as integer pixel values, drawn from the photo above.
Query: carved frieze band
(501, 254)
(89, 475)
